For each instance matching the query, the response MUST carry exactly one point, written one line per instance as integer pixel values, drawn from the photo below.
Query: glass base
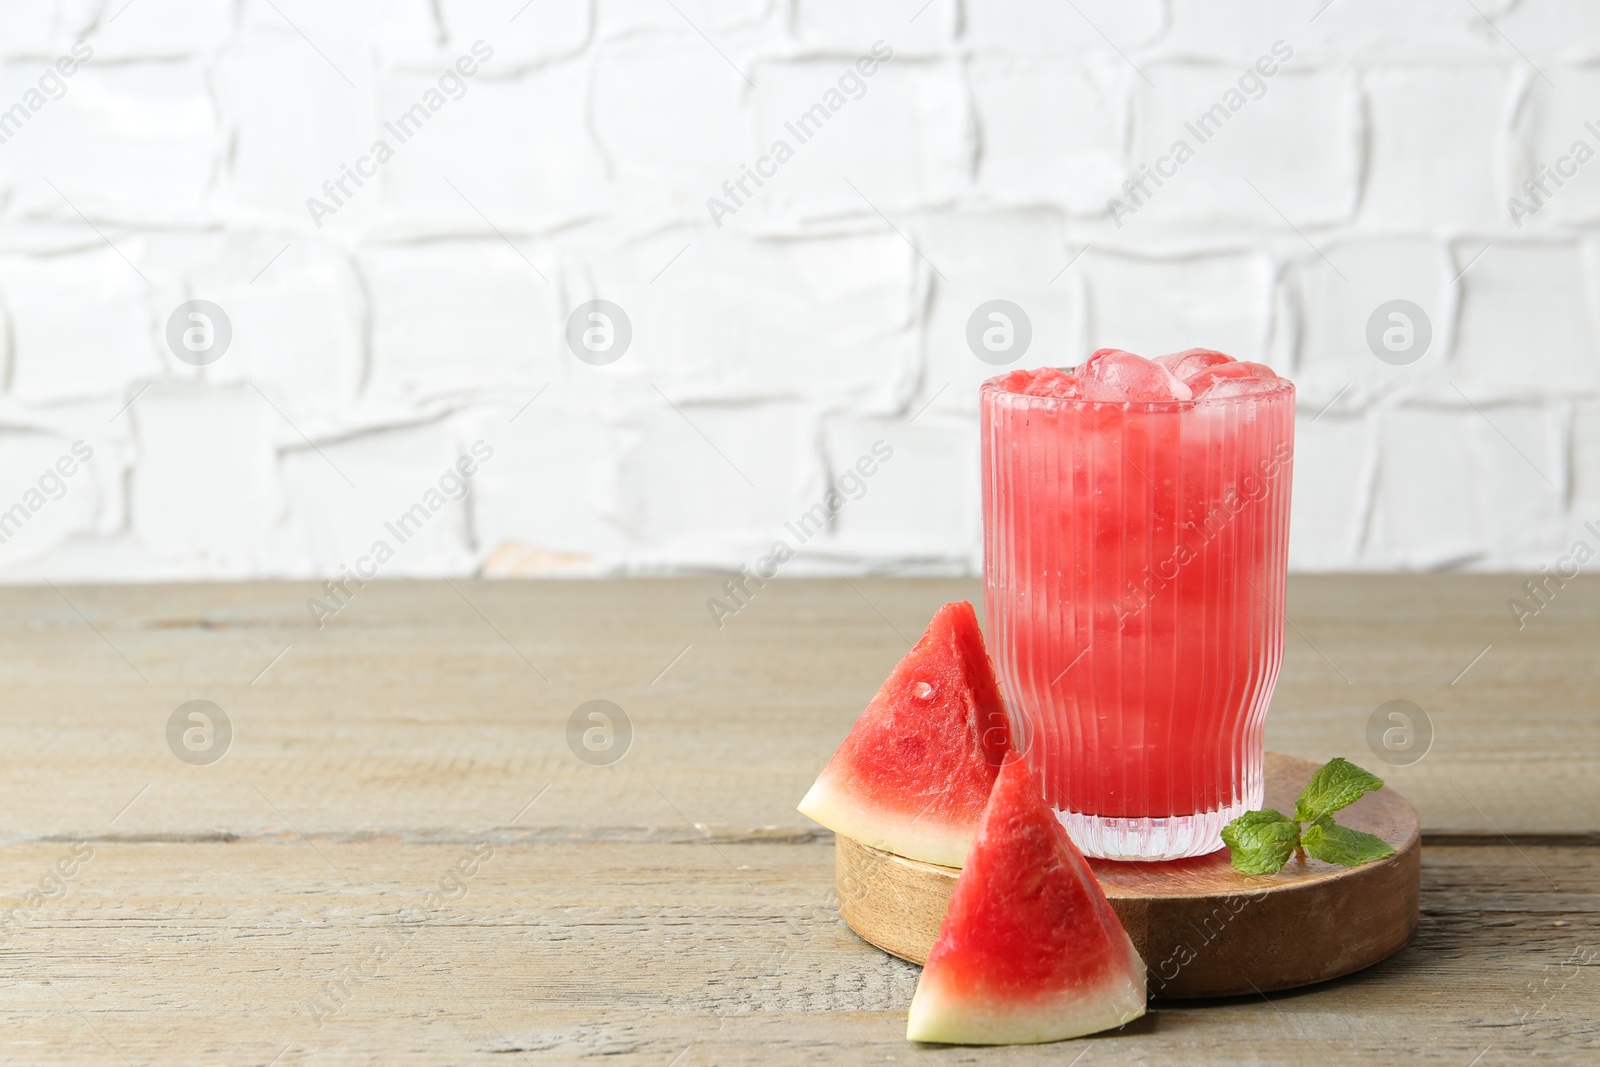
(1175, 837)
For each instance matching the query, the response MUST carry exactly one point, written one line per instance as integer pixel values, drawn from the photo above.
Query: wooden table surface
(400, 859)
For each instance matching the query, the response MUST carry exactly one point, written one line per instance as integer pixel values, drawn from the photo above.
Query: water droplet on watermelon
(923, 690)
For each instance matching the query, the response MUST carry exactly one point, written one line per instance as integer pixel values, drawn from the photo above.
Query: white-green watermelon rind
(942, 1016)
(910, 836)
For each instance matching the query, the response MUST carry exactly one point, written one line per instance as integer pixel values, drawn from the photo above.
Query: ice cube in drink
(1135, 546)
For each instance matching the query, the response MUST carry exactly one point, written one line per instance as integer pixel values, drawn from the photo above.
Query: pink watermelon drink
(1136, 517)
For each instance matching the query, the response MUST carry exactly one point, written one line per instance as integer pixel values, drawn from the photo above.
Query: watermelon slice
(1030, 950)
(916, 770)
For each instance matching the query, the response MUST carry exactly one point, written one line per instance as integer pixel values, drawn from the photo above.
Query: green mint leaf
(1337, 784)
(1328, 841)
(1261, 842)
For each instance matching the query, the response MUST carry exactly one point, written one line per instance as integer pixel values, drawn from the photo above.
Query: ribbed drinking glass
(1134, 561)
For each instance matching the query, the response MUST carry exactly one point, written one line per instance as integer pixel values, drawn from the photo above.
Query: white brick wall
(828, 309)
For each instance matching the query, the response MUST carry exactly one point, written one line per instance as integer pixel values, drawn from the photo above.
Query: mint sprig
(1261, 842)
(1337, 784)
(1329, 842)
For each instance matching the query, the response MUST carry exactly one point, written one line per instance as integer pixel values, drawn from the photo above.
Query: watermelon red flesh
(914, 774)
(1030, 949)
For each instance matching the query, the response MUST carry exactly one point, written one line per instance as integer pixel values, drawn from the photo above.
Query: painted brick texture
(391, 308)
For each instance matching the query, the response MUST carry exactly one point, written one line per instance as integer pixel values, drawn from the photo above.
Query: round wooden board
(1204, 929)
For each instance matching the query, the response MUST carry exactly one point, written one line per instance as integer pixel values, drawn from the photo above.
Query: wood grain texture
(230, 953)
(676, 901)
(427, 706)
(1202, 928)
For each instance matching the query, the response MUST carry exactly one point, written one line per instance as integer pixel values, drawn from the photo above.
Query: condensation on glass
(1134, 561)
